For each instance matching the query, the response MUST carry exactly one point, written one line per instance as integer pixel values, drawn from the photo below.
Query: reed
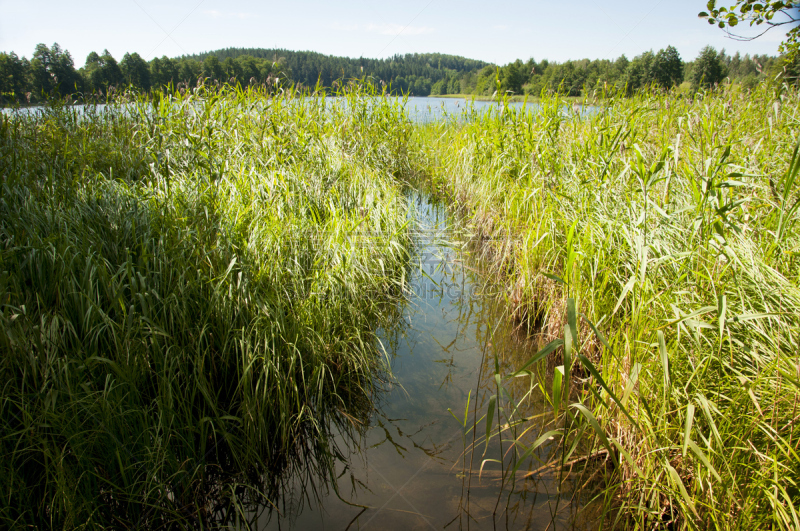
(191, 288)
(651, 244)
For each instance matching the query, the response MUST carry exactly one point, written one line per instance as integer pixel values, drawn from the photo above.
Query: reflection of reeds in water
(188, 315)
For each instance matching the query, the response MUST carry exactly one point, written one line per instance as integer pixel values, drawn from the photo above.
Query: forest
(51, 70)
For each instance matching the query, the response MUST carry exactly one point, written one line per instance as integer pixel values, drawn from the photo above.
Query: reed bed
(651, 243)
(191, 288)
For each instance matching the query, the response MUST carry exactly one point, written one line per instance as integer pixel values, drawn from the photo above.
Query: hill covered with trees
(51, 70)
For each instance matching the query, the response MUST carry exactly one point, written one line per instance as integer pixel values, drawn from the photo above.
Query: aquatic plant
(651, 244)
(191, 288)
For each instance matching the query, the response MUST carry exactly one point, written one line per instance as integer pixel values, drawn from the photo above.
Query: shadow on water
(422, 465)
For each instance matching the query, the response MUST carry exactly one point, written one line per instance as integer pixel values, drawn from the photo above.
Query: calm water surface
(412, 471)
(419, 109)
(432, 109)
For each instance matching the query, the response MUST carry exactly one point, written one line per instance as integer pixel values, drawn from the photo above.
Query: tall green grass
(651, 244)
(190, 289)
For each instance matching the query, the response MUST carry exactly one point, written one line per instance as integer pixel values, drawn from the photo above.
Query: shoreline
(513, 99)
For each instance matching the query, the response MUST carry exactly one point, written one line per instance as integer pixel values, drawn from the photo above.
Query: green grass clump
(190, 292)
(654, 243)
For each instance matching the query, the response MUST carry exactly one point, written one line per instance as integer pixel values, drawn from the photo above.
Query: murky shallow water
(412, 471)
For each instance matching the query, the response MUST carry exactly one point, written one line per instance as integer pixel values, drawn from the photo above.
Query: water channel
(413, 470)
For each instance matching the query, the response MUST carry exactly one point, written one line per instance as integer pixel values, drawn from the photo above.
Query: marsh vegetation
(653, 250)
(197, 291)
(191, 289)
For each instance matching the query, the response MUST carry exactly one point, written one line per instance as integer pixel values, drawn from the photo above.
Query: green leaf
(790, 377)
(625, 291)
(554, 277)
(489, 420)
(687, 428)
(541, 440)
(662, 349)
(677, 480)
(594, 372)
(628, 458)
(703, 459)
(596, 331)
(701, 311)
(567, 351)
(633, 377)
(454, 416)
(558, 378)
(466, 408)
(597, 429)
(751, 316)
(547, 349)
(572, 319)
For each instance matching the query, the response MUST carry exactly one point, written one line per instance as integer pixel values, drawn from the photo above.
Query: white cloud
(500, 27)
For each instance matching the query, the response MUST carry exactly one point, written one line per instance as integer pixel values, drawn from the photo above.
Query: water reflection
(418, 469)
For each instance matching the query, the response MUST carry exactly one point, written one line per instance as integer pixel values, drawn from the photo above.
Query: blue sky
(540, 29)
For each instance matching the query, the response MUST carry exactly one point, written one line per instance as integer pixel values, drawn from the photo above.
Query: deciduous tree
(667, 68)
(163, 71)
(102, 71)
(212, 68)
(135, 71)
(708, 70)
(13, 76)
(764, 13)
(53, 70)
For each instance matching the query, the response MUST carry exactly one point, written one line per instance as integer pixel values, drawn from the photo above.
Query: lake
(421, 110)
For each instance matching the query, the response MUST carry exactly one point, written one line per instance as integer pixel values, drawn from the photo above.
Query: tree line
(664, 69)
(51, 71)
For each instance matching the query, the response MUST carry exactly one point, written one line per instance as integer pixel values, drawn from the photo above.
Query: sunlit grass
(652, 244)
(191, 289)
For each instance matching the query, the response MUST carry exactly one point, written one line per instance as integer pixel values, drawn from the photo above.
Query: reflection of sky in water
(412, 465)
